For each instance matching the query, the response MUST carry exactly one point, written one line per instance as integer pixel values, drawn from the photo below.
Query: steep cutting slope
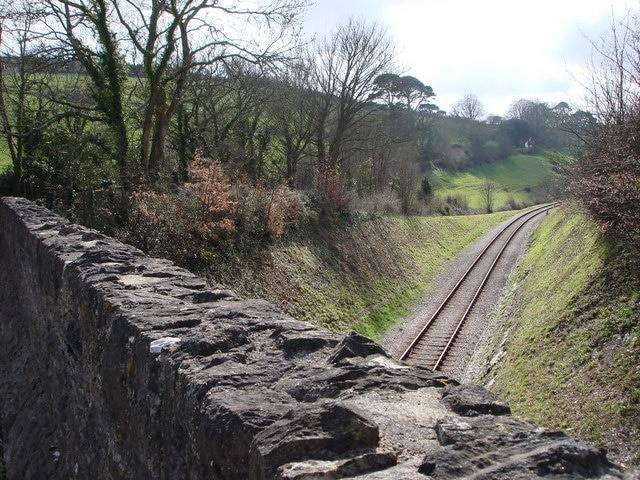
(566, 344)
(362, 275)
(572, 310)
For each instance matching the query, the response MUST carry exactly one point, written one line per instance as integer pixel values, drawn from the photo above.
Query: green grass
(5, 158)
(515, 177)
(573, 347)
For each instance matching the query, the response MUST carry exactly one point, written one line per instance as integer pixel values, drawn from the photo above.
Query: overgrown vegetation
(572, 342)
(210, 219)
(605, 179)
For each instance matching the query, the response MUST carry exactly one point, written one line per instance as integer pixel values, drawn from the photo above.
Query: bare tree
(614, 71)
(487, 193)
(606, 176)
(231, 113)
(291, 113)
(469, 107)
(26, 84)
(538, 114)
(345, 66)
(407, 176)
(12, 130)
(169, 39)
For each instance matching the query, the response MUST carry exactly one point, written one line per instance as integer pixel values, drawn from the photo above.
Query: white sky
(499, 50)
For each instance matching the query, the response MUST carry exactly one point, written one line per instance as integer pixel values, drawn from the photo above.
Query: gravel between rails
(464, 363)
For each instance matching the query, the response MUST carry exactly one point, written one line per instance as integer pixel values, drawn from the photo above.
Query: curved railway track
(433, 344)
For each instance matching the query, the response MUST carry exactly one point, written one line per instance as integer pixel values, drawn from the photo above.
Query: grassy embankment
(363, 276)
(516, 178)
(573, 347)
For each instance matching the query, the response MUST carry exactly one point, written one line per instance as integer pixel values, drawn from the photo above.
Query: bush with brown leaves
(207, 217)
(606, 179)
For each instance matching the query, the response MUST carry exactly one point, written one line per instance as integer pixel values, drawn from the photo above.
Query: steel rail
(531, 214)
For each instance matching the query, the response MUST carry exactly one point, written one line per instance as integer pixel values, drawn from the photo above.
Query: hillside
(518, 179)
(569, 358)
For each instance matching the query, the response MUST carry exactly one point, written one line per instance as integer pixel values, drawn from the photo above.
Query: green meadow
(516, 179)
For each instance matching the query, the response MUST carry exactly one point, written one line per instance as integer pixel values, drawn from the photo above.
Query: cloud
(325, 15)
(499, 50)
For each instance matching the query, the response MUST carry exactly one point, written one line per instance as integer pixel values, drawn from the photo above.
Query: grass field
(515, 178)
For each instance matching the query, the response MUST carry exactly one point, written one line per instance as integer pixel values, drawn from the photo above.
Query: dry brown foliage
(208, 213)
(606, 179)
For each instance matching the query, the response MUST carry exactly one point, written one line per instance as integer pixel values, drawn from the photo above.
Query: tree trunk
(8, 133)
(156, 155)
(147, 130)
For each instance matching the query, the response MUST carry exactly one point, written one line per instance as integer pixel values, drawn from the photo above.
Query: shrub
(331, 198)
(179, 224)
(263, 214)
(210, 189)
(606, 177)
(512, 204)
(206, 218)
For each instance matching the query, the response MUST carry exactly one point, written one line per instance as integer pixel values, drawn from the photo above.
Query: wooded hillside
(165, 89)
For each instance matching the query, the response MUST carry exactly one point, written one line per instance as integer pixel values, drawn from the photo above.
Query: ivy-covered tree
(104, 64)
(169, 40)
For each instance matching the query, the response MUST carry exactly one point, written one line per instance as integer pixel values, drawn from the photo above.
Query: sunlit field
(516, 179)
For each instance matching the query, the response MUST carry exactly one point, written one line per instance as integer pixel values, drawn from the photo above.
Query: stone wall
(116, 365)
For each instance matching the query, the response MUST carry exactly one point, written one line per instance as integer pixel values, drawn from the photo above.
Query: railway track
(433, 344)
